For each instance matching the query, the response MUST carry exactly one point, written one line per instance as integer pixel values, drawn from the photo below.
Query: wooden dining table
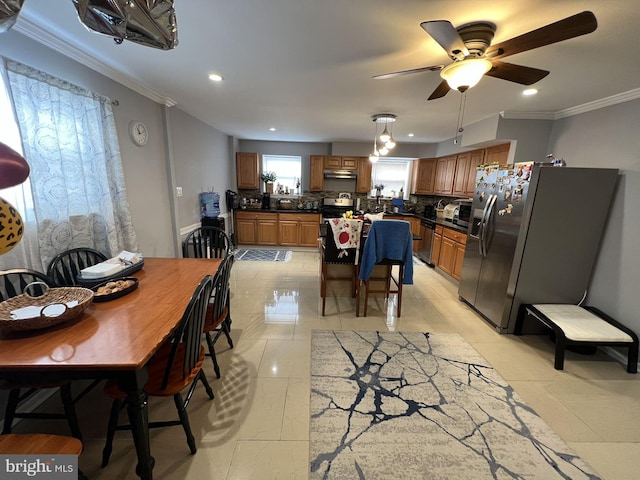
(112, 340)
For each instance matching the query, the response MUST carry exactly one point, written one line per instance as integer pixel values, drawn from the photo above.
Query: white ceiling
(305, 66)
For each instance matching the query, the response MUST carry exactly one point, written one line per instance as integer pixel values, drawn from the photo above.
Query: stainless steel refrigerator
(533, 238)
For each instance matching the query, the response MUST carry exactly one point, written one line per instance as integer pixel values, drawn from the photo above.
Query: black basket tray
(114, 295)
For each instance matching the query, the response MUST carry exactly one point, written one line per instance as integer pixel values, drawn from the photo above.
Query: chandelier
(384, 143)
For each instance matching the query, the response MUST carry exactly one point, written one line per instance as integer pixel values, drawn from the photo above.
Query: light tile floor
(257, 427)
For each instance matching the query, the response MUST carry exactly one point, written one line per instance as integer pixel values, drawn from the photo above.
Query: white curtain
(69, 140)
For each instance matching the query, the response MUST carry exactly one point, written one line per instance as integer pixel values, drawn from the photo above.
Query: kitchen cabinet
(340, 163)
(452, 252)
(298, 229)
(464, 182)
(498, 154)
(316, 173)
(363, 182)
(424, 176)
(256, 228)
(416, 231)
(247, 171)
(437, 245)
(445, 171)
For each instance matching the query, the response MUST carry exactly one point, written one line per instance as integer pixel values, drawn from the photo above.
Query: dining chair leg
(205, 383)
(10, 410)
(226, 328)
(399, 284)
(323, 286)
(358, 290)
(184, 420)
(116, 406)
(212, 354)
(70, 410)
(366, 296)
(388, 282)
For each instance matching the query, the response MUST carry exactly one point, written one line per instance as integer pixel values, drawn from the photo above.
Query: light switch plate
(179, 191)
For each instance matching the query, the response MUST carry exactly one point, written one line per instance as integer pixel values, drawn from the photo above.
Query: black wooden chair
(206, 242)
(66, 266)
(176, 365)
(330, 254)
(217, 319)
(13, 283)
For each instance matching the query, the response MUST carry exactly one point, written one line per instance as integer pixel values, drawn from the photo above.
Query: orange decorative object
(11, 226)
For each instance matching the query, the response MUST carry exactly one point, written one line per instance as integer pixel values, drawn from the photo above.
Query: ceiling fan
(469, 46)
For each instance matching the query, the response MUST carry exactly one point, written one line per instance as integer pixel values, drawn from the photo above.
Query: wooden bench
(581, 326)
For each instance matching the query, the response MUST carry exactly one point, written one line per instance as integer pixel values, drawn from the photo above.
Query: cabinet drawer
(299, 217)
(439, 229)
(455, 235)
(256, 216)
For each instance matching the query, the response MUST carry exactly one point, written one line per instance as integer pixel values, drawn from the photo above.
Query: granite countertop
(451, 225)
(277, 210)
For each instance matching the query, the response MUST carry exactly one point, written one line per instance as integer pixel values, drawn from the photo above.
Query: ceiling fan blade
(516, 73)
(432, 68)
(440, 91)
(447, 37)
(570, 27)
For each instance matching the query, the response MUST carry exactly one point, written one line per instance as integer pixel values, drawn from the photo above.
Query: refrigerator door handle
(485, 237)
(481, 227)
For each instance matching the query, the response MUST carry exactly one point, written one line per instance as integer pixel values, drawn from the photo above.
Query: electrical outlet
(179, 191)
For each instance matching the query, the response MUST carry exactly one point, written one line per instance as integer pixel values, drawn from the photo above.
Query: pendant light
(386, 137)
(375, 156)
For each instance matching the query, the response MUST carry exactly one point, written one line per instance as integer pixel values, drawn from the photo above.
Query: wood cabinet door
(288, 232)
(461, 175)
(332, 163)
(497, 154)
(447, 255)
(424, 176)
(437, 247)
(445, 170)
(247, 171)
(349, 163)
(316, 173)
(246, 231)
(363, 182)
(457, 261)
(477, 158)
(309, 232)
(267, 232)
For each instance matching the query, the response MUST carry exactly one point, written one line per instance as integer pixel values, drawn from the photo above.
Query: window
(394, 174)
(288, 170)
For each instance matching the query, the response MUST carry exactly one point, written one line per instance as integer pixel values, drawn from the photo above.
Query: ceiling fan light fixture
(466, 73)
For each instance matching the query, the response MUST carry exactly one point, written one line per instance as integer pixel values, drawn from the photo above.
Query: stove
(335, 207)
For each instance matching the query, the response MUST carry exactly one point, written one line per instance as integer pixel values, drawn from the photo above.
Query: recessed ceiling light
(529, 91)
(214, 77)
(410, 135)
(272, 129)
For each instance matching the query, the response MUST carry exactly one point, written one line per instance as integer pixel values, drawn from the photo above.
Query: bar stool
(388, 243)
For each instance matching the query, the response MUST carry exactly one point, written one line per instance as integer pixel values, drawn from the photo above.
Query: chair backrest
(187, 339)
(66, 266)
(12, 282)
(206, 242)
(333, 254)
(217, 309)
(388, 241)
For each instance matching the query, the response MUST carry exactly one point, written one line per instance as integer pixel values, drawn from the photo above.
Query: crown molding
(31, 29)
(602, 103)
(528, 115)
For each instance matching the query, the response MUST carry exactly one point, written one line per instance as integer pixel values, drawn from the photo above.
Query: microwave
(462, 216)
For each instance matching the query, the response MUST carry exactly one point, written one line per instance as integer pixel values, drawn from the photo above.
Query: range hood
(348, 174)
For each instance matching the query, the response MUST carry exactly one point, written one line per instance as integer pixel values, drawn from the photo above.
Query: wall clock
(138, 133)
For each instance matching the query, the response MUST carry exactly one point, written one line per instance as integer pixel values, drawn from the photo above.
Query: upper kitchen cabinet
(497, 154)
(247, 171)
(340, 163)
(445, 172)
(465, 177)
(424, 176)
(363, 182)
(316, 173)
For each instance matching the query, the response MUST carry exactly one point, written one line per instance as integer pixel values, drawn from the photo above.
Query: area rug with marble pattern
(391, 405)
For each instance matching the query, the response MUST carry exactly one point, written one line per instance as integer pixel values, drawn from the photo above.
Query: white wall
(609, 137)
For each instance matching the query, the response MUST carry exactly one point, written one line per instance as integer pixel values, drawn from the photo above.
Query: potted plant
(268, 178)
